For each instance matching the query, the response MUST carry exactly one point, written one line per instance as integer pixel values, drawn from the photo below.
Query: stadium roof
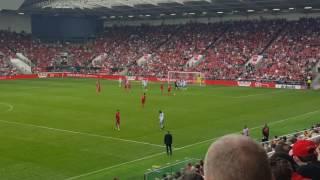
(10, 4)
(135, 8)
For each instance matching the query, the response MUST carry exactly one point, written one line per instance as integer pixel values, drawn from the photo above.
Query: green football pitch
(62, 129)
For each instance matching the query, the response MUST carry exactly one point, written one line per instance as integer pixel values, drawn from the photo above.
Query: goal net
(196, 78)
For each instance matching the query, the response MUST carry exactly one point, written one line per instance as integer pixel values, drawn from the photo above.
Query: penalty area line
(184, 147)
(81, 133)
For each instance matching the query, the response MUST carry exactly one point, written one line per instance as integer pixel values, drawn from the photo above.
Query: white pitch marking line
(257, 127)
(118, 165)
(82, 133)
(245, 96)
(251, 95)
(184, 147)
(10, 106)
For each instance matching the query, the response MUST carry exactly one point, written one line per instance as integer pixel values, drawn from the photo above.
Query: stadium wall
(15, 23)
(233, 83)
(65, 27)
(172, 21)
(138, 78)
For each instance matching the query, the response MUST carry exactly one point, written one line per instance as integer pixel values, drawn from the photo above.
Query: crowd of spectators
(5, 66)
(134, 43)
(190, 171)
(292, 55)
(290, 50)
(44, 54)
(242, 40)
(281, 152)
(190, 41)
(283, 143)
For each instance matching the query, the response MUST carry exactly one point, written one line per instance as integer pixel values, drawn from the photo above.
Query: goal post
(190, 77)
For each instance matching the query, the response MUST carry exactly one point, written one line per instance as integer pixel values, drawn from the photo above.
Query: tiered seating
(131, 43)
(191, 171)
(290, 139)
(5, 68)
(292, 55)
(290, 49)
(281, 148)
(243, 40)
(190, 40)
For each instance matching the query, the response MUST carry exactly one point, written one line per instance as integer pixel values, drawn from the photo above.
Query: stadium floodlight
(21, 13)
(308, 7)
(250, 10)
(130, 16)
(147, 15)
(191, 13)
(173, 14)
(276, 9)
(112, 17)
(291, 8)
(219, 12)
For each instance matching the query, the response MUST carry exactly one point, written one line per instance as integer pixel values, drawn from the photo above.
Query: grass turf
(61, 129)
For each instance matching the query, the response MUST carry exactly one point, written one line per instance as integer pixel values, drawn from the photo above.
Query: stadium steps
(281, 32)
(216, 40)
(316, 78)
(24, 59)
(211, 45)
(316, 82)
(167, 39)
(154, 50)
(21, 66)
(206, 51)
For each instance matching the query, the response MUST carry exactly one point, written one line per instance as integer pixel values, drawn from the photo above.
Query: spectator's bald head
(235, 157)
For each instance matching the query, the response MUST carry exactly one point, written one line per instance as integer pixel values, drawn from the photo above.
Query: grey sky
(10, 4)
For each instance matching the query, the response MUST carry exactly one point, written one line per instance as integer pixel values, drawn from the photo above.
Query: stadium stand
(278, 150)
(244, 39)
(223, 50)
(280, 144)
(292, 55)
(193, 171)
(243, 43)
(5, 67)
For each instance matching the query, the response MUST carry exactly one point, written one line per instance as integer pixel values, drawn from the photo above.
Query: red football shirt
(118, 116)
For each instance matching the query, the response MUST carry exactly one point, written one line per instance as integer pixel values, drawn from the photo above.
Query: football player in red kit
(118, 120)
(169, 89)
(161, 88)
(98, 86)
(143, 99)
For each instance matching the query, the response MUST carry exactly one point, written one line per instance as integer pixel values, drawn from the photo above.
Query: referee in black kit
(168, 143)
